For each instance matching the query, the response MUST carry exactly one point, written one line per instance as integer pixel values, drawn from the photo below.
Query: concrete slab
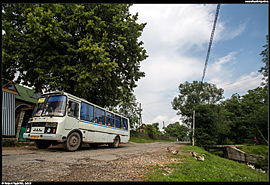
(104, 157)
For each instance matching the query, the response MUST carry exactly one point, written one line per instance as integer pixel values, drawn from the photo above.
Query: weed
(214, 168)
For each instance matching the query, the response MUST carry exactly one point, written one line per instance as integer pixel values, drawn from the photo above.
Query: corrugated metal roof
(25, 94)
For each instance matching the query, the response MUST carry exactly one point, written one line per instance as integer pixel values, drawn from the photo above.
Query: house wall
(8, 114)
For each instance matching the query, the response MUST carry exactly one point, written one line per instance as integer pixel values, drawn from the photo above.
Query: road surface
(127, 163)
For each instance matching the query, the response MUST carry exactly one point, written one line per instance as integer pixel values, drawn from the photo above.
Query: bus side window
(73, 109)
(125, 124)
(117, 121)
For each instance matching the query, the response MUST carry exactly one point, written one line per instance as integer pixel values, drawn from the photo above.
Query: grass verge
(261, 150)
(214, 168)
(148, 140)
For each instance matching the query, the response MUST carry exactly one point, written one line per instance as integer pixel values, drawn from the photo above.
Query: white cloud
(174, 34)
(232, 33)
(222, 74)
(223, 67)
(242, 84)
(175, 27)
(170, 32)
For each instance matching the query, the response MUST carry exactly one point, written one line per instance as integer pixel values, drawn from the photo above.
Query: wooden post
(21, 116)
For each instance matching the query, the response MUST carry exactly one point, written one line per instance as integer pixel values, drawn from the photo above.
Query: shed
(18, 103)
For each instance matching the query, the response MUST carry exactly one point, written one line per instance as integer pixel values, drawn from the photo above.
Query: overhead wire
(211, 40)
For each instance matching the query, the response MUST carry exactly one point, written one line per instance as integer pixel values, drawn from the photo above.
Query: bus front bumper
(53, 137)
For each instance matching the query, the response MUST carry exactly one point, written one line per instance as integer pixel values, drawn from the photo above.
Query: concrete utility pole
(140, 118)
(193, 133)
(163, 125)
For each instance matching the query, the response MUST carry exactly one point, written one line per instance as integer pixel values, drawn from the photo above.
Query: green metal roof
(25, 94)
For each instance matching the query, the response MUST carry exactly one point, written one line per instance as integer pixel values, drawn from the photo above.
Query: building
(18, 103)
(142, 127)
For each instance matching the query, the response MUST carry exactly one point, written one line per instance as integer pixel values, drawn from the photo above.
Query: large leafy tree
(193, 94)
(255, 108)
(248, 115)
(265, 69)
(212, 126)
(89, 50)
(177, 130)
(130, 109)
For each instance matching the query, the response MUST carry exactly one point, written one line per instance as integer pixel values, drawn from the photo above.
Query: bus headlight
(50, 130)
(28, 130)
(50, 127)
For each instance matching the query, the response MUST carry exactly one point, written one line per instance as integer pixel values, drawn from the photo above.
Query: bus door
(72, 119)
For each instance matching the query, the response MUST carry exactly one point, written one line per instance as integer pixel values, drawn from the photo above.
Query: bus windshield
(51, 106)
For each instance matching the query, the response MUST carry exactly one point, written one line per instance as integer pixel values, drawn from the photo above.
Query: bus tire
(42, 144)
(73, 142)
(116, 142)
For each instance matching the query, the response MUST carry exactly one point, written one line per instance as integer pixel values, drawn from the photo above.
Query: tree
(265, 70)
(129, 108)
(255, 108)
(89, 50)
(193, 94)
(235, 113)
(248, 115)
(212, 127)
(150, 130)
(177, 130)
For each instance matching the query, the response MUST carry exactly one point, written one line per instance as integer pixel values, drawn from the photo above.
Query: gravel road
(127, 163)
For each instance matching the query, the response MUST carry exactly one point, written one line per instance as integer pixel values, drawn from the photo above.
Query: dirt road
(126, 163)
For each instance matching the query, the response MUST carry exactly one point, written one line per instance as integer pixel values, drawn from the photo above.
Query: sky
(176, 39)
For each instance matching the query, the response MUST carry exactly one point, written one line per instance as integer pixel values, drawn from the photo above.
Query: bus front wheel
(73, 142)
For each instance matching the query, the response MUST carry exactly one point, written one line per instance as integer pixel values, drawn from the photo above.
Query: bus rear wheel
(73, 142)
(116, 142)
(42, 144)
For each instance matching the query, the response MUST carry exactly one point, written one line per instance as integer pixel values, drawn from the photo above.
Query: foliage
(193, 94)
(177, 130)
(129, 107)
(211, 125)
(149, 129)
(265, 70)
(248, 115)
(213, 168)
(89, 50)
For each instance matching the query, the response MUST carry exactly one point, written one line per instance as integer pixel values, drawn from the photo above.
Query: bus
(62, 118)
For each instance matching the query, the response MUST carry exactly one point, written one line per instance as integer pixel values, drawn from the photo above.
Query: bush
(227, 141)
(8, 143)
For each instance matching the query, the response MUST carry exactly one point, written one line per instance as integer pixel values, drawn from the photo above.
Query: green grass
(13, 143)
(148, 140)
(261, 150)
(214, 168)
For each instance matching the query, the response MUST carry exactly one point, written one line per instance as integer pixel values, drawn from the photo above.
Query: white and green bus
(61, 118)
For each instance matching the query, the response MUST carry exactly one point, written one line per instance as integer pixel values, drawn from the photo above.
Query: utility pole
(163, 125)
(140, 117)
(193, 133)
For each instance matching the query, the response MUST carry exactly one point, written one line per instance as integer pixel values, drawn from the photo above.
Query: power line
(155, 102)
(211, 40)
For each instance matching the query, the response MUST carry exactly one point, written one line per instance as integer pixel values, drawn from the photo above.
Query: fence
(144, 135)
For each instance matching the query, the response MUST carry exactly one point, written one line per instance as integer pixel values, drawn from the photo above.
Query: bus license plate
(34, 137)
(37, 129)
